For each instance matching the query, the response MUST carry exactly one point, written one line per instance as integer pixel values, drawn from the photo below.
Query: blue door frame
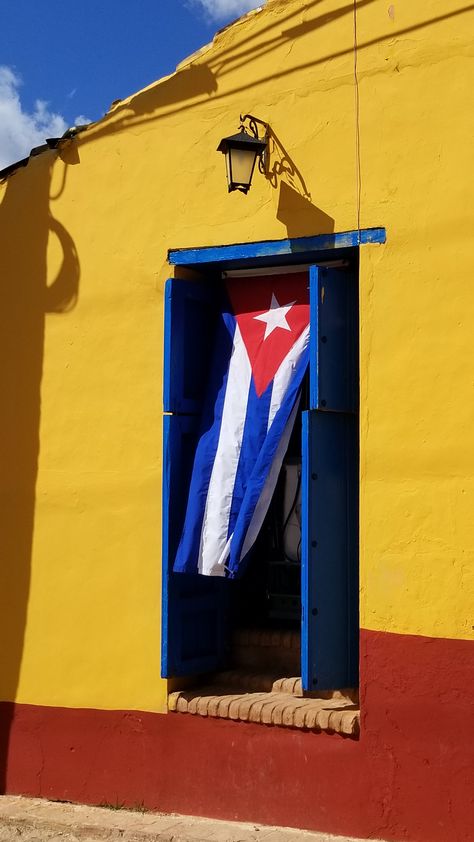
(276, 252)
(330, 466)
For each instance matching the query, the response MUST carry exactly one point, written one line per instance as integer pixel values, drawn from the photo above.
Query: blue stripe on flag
(261, 467)
(188, 551)
(254, 435)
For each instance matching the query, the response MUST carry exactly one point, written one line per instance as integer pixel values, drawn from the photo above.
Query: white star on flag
(275, 316)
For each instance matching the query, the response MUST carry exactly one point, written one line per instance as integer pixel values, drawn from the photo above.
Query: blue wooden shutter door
(329, 640)
(190, 315)
(333, 375)
(194, 609)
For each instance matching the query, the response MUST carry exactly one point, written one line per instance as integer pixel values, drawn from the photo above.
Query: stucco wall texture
(375, 137)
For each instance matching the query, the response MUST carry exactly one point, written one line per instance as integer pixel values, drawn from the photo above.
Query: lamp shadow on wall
(295, 209)
(300, 217)
(26, 296)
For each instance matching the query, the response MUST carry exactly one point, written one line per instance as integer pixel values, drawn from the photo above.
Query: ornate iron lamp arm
(252, 126)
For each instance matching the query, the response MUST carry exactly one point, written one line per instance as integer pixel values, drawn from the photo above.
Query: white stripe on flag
(280, 385)
(221, 484)
(285, 373)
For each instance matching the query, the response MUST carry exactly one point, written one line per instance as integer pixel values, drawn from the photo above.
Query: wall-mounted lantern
(241, 151)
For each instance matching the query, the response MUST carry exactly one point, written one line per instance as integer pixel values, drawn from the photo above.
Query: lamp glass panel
(228, 168)
(242, 163)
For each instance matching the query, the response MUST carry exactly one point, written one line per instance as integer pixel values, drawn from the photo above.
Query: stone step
(337, 714)
(241, 681)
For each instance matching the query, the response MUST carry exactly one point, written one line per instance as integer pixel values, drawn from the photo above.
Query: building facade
(368, 172)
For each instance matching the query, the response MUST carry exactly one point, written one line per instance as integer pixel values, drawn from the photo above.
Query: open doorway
(293, 611)
(266, 601)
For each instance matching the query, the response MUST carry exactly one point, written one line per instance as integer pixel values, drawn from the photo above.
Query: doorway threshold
(267, 701)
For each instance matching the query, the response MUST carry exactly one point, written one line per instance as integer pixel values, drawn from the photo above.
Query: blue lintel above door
(281, 252)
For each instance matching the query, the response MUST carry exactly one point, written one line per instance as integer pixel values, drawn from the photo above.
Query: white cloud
(20, 130)
(220, 10)
(81, 120)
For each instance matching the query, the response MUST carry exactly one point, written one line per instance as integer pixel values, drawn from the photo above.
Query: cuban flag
(260, 356)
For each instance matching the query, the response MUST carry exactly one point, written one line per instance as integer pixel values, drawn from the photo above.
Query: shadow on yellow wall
(295, 209)
(300, 217)
(25, 298)
(201, 81)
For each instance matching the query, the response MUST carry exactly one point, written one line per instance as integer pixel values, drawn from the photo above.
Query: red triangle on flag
(272, 311)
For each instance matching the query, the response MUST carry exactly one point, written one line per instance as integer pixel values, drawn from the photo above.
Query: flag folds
(261, 352)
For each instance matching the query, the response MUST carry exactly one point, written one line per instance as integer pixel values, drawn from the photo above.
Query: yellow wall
(83, 244)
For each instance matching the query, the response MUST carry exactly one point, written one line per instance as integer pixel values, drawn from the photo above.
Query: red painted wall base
(410, 775)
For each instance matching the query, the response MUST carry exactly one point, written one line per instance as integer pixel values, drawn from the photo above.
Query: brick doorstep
(37, 820)
(284, 705)
(253, 692)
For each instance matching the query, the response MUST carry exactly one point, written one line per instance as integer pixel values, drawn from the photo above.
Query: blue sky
(61, 61)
